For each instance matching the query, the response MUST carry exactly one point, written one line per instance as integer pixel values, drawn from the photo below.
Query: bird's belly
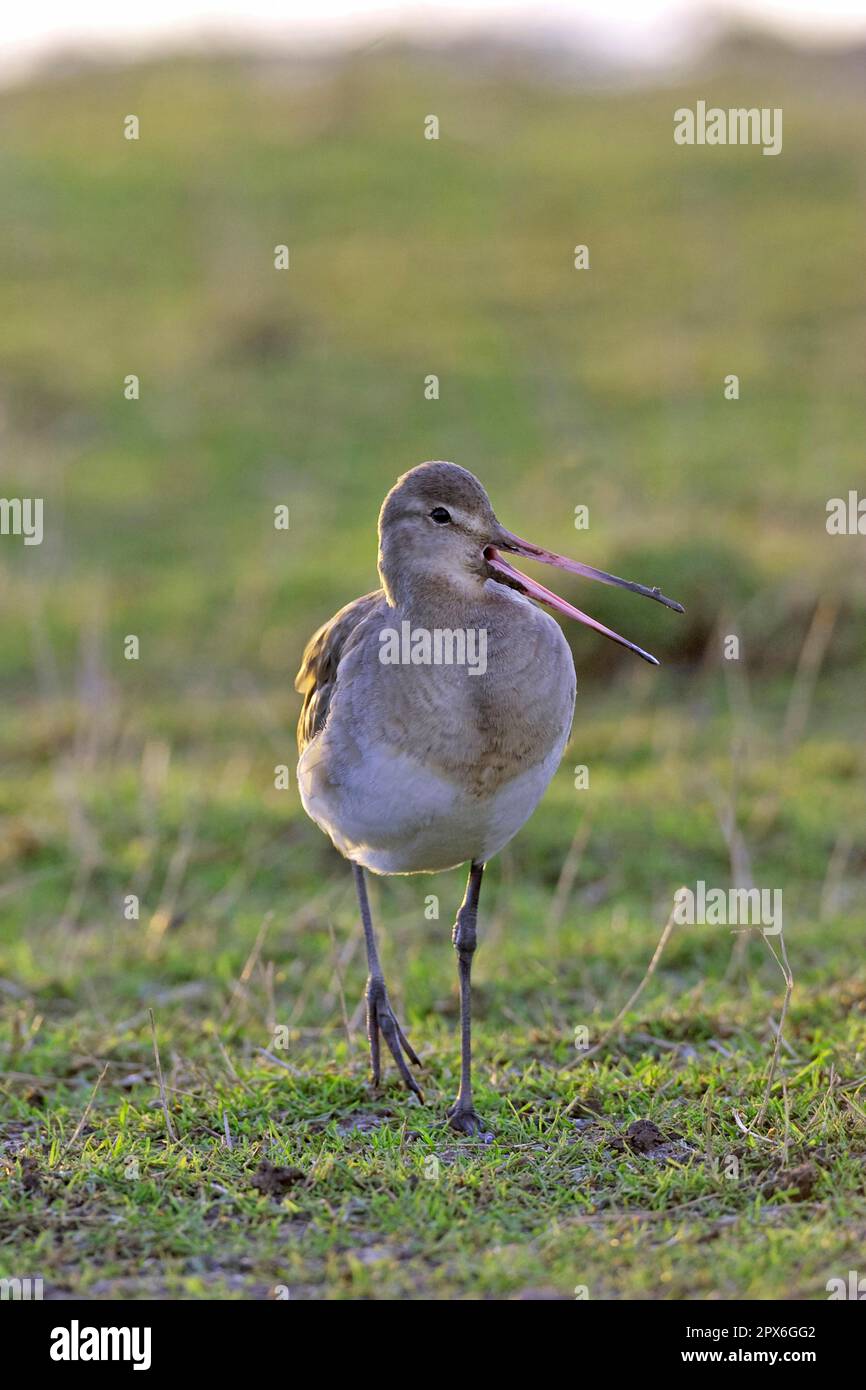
(395, 816)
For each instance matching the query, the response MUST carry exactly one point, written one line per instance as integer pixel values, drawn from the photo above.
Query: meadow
(157, 886)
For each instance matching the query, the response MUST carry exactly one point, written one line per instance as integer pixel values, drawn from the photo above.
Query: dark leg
(462, 1113)
(380, 1016)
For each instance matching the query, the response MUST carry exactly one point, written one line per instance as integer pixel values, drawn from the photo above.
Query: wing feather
(317, 678)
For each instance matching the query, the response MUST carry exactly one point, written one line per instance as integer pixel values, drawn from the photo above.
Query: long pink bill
(506, 540)
(516, 579)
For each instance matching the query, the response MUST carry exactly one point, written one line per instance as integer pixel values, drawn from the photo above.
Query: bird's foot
(466, 1120)
(381, 1019)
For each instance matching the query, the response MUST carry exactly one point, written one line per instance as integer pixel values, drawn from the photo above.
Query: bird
(436, 710)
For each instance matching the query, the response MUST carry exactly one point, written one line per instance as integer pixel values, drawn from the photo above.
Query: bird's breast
(482, 721)
(423, 764)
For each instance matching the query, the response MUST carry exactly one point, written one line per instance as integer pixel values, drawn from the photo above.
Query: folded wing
(317, 678)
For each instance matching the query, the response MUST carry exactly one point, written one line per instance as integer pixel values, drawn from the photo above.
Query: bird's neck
(438, 601)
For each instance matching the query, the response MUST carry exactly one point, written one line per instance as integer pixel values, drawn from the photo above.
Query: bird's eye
(441, 515)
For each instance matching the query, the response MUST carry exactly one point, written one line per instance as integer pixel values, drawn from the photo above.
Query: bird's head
(437, 529)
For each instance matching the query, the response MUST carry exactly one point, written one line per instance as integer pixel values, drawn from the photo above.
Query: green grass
(156, 777)
(559, 1199)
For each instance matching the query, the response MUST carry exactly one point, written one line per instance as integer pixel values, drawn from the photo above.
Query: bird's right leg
(380, 1015)
(463, 1115)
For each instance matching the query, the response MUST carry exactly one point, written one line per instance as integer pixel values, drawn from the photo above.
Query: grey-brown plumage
(320, 664)
(412, 766)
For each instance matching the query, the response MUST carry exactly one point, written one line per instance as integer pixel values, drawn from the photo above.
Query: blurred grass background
(558, 388)
(410, 257)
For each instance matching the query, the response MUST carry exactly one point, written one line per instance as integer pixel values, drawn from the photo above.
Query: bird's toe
(466, 1120)
(385, 1022)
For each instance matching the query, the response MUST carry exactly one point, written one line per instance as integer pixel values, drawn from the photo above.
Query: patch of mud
(645, 1138)
(798, 1183)
(584, 1109)
(275, 1181)
(26, 1173)
(15, 1136)
(363, 1121)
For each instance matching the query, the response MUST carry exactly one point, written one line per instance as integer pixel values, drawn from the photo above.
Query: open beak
(505, 573)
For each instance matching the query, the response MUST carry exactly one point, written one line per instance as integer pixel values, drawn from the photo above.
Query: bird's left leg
(380, 1015)
(462, 1115)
